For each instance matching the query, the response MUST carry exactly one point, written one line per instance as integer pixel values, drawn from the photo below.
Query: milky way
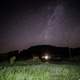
(58, 25)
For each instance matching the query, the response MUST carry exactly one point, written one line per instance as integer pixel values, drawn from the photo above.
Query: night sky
(24, 23)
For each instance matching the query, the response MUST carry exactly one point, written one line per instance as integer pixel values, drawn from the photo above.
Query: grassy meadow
(40, 71)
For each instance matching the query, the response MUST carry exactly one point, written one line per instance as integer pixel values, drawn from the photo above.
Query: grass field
(42, 71)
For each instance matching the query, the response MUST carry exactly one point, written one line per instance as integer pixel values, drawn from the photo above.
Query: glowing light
(46, 57)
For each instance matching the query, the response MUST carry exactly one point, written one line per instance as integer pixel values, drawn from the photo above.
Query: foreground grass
(44, 71)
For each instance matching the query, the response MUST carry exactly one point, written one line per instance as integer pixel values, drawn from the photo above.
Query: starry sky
(25, 23)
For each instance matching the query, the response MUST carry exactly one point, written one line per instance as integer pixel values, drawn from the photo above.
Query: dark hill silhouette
(56, 53)
(38, 49)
